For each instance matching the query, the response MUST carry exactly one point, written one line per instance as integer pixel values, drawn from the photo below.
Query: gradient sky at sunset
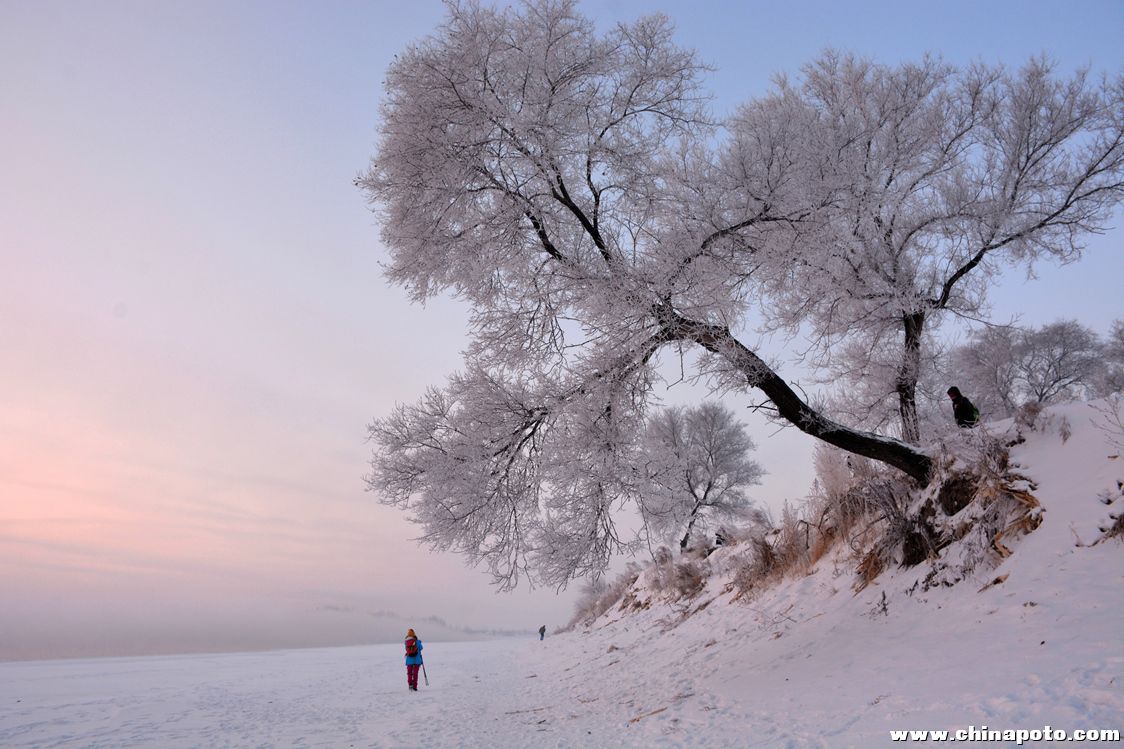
(194, 331)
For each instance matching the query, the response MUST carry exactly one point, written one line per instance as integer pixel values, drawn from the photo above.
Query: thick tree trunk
(910, 366)
(718, 340)
(690, 527)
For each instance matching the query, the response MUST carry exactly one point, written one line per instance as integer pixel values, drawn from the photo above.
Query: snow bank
(811, 663)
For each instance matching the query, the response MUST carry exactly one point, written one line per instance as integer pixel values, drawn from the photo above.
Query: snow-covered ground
(333, 697)
(807, 663)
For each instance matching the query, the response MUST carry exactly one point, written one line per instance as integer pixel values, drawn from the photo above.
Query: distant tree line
(1004, 367)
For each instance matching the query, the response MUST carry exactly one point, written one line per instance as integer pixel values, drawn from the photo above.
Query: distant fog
(158, 631)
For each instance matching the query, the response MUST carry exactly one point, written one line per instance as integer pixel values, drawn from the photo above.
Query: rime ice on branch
(570, 187)
(694, 471)
(921, 183)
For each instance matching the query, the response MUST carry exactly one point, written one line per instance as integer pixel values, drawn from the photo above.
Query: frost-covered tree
(1005, 367)
(1058, 361)
(986, 368)
(1112, 378)
(568, 186)
(922, 182)
(695, 468)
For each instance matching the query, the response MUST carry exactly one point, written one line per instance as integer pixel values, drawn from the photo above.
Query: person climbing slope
(963, 410)
(413, 659)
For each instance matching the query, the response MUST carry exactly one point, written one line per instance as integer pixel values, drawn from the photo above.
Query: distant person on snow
(966, 414)
(413, 659)
(542, 632)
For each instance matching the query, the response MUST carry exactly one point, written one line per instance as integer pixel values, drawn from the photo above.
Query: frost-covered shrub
(852, 498)
(1110, 420)
(751, 523)
(870, 567)
(838, 472)
(1026, 415)
(870, 517)
(968, 516)
(1030, 416)
(745, 578)
(793, 539)
(598, 596)
(907, 537)
(681, 578)
(1065, 429)
(687, 579)
(758, 565)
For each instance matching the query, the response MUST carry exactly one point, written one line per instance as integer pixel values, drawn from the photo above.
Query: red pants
(412, 675)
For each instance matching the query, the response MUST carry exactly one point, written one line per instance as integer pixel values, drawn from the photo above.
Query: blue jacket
(414, 660)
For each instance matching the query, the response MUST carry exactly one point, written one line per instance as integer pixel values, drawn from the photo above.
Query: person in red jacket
(413, 659)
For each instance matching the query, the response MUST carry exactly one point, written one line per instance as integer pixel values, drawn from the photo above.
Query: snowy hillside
(811, 662)
(1032, 640)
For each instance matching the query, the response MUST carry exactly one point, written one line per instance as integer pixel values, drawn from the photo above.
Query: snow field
(498, 693)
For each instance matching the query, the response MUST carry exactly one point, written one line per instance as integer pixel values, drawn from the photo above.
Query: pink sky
(194, 331)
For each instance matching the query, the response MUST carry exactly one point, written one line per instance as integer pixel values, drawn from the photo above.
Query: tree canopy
(695, 468)
(571, 187)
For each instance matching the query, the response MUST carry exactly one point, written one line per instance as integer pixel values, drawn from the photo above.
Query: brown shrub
(687, 579)
(756, 566)
(870, 568)
(1026, 415)
(599, 596)
(824, 539)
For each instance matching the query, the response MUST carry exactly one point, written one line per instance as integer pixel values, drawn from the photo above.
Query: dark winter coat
(967, 415)
(414, 660)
